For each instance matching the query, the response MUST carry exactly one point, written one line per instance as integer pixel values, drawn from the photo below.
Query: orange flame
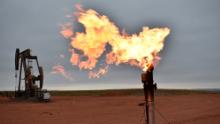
(67, 30)
(97, 74)
(59, 69)
(140, 50)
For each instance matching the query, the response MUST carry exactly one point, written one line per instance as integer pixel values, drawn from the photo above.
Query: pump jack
(23, 64)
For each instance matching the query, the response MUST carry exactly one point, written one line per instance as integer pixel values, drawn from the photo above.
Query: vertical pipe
(149, 87)
(151, 106)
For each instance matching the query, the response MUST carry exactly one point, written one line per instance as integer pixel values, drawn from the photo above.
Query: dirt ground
(171, 109)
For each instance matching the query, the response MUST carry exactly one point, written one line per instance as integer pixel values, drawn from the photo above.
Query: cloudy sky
(190, 59)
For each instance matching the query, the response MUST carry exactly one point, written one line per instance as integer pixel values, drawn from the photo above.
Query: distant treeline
(118, 92)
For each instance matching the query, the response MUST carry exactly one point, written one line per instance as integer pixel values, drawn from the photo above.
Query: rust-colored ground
(176, 109)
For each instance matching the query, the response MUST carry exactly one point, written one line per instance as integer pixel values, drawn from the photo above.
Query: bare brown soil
(172, 109)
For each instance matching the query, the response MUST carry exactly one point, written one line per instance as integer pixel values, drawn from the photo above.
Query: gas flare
(140, 50)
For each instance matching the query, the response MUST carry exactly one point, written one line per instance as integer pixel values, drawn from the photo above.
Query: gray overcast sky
(190, 59)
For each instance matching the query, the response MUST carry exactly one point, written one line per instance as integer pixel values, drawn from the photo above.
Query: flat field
(112, 107)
